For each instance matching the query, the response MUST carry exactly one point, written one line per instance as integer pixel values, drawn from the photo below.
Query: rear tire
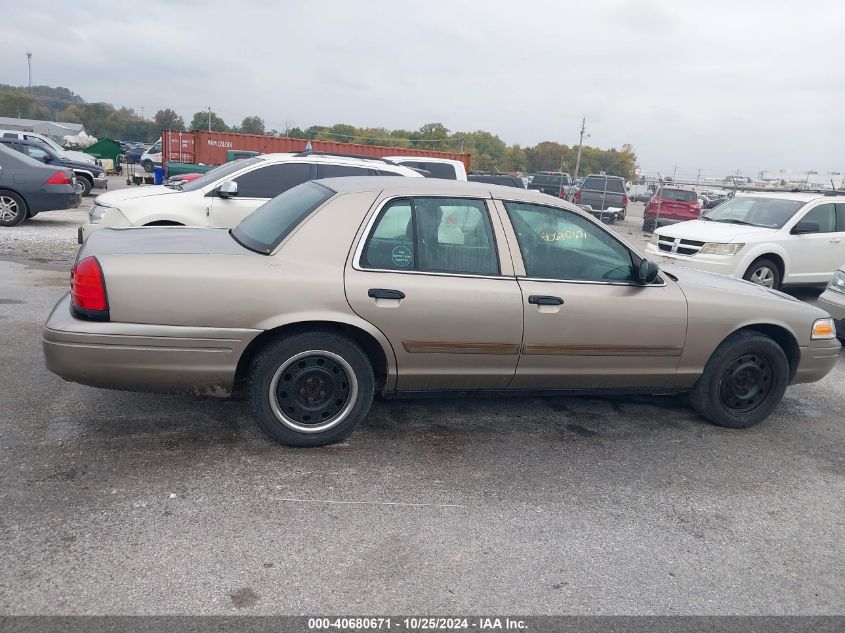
(648, 226)
(763, 272)
(310, 389)
(148, 166)
(743, 381)
(12, 209)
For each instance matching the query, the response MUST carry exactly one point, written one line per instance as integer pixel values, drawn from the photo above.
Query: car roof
(323, 158)
(437, 187)
(603, 176)
(423, 159)
(681, 187)
(800, 196)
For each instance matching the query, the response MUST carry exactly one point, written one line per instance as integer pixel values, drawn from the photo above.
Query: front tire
(12, 209)
(743, 381)
(763, 272)
(87, 185)
(310, 389)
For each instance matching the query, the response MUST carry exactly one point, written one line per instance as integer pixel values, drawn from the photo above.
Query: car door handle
(543, 300)
(385, 293)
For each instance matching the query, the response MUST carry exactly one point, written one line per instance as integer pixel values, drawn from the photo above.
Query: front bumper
(101, 183)
(834, 303)
(141, 357)
(721, 264)
(817, 361)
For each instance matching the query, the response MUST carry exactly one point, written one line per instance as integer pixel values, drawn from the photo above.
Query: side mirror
(228, 189)
(806, 226)
(647, 272)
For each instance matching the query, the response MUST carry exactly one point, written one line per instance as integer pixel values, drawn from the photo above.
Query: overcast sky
(714, 85)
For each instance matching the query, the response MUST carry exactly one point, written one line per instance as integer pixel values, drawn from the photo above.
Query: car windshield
(213, 175)
(600, 183)
(678, 195)
(265, 228)
(770, 213)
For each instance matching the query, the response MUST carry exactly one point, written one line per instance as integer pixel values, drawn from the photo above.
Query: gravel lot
(131, 503)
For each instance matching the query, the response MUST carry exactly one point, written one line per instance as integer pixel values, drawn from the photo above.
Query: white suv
(771, 238)
(225, 195)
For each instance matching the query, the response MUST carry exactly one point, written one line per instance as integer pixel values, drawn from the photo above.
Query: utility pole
(142, 112)
(209, 118)
(580, 145)
(29, 68)
(698, 177)
(674, 173)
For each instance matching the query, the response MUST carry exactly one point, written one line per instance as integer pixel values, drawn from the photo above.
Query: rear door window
(340, 171)
(452, 235)
(270, 181)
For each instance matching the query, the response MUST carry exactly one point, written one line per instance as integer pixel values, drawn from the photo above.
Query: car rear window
(437, 170)
(678, 195)
(265, 228)
(599, 183)
(550, 179)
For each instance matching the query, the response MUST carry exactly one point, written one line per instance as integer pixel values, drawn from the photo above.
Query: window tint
(824, 215)
(269, 224)
(559, 244)
(506, 181)
(840, 217)
(10, 135)
(551, 179)
(433, 234)
(597, 183)
(339, 171)
(35, 152)
(220, 172)
(270, 181)
(678, 195)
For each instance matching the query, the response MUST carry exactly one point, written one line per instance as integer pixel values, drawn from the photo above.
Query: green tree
(295, 132)
(15, 103)
(200, 122)
(167, 119)
(252, 125)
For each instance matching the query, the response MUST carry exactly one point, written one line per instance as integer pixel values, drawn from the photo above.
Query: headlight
(837, 284)
(715, 248)
(653, 239)
(97, 211)
(823, 329)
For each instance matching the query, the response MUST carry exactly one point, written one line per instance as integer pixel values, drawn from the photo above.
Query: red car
(669, 205)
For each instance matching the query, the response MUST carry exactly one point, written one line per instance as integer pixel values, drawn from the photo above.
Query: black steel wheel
(743, 381)
(311, 389)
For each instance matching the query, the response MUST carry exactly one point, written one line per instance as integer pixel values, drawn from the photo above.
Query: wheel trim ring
(336, 419)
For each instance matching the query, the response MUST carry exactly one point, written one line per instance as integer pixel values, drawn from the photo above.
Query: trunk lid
(171, 240)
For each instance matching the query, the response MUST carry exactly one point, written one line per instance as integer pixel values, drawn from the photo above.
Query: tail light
(562, 193)
(624, 201)
(88, 297)
(58, 178)
(578, 196)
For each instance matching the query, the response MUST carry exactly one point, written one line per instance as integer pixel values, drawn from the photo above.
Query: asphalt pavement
(121, 503)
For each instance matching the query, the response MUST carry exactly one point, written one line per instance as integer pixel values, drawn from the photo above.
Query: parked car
(151, 157)
(498, 179)
(833, 300)
(714, 201)
(602, 192)
(553, 183)
(671, 204)
(225, 195)
(28, 187)
(68, 154)
(183, 179)
(437, 167)
(88, 175)
(342, 288)
(132, 154)
(643, 196)
(770, 238)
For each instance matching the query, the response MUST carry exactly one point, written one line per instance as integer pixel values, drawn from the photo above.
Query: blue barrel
(158, 175)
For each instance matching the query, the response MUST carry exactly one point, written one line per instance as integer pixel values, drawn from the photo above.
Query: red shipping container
(209, 148)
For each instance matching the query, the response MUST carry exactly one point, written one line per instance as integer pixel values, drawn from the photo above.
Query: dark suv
(554, 183)
(603, 192)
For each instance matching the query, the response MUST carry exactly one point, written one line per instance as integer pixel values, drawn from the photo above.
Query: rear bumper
(817, 361)
(53, 201)
(138, 357)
